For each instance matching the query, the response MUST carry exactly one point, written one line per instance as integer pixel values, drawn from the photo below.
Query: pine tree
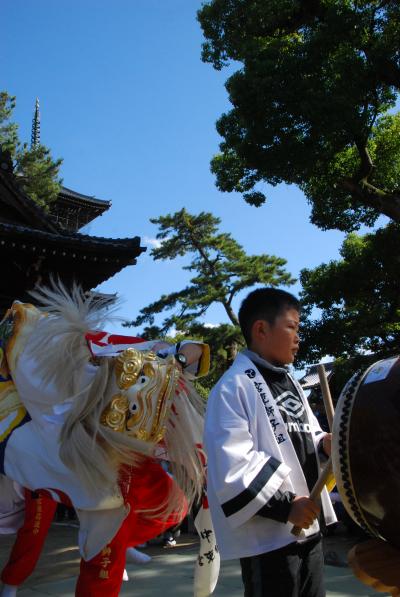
(221, 270)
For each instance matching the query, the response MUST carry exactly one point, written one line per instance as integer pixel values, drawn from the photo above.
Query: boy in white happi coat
(263, 445)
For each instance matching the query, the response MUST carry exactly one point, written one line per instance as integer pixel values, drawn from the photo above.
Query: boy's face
(277, 343)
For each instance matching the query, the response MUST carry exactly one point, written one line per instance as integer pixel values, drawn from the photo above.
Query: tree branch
(367, 165)
(364, 192)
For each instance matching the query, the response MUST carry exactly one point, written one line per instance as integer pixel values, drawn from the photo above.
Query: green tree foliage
(310, 99)
(225, 340)
(34, 167)
(359, 300)
(8, 130)
(38, 174)
(220, 269)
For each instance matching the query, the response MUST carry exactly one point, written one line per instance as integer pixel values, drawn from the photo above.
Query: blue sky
(128, 104)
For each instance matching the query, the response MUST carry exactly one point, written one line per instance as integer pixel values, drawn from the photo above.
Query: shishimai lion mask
(96, 413)
(142, 388)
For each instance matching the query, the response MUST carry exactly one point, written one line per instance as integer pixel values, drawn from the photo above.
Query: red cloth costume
(39, 512)
(149, 486)
(144, 487)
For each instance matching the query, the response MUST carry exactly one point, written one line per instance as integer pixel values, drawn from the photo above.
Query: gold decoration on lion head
(142, 390)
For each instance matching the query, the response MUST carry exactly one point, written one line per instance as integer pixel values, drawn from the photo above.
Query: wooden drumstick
(326, 395)
(316, 490)
(327, 470)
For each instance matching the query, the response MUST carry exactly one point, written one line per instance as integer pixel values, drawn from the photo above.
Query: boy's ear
(260, 329)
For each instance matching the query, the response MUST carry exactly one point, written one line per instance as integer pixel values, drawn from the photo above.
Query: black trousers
(292, 571)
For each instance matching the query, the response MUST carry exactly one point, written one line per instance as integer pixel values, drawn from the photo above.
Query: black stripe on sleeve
(278, 507)
(247, 495)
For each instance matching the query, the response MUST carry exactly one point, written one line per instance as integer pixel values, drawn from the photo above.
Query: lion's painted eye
(133, 407)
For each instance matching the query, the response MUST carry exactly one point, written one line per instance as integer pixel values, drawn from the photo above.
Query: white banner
(208, 561)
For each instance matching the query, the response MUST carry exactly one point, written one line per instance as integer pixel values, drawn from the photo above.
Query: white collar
(253, 356)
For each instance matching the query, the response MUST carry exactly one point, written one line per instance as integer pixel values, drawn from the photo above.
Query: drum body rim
(340, 450)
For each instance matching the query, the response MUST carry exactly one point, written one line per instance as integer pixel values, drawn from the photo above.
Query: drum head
(366, 449)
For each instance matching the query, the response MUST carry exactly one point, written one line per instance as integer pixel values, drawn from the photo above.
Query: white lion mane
(92, 451)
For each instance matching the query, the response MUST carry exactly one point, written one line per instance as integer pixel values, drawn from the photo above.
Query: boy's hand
(327, 444)
(303, 512)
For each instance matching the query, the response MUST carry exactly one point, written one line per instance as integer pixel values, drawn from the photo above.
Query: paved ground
(170, 573)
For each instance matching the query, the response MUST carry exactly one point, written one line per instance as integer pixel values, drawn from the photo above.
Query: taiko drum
(366, 449)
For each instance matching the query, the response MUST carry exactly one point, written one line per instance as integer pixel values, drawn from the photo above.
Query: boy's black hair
(264, 303)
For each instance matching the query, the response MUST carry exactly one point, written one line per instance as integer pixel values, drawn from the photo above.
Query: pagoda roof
(65, 239)
(35, 248)
(86, 200)
(72, 210)
(86, 259)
